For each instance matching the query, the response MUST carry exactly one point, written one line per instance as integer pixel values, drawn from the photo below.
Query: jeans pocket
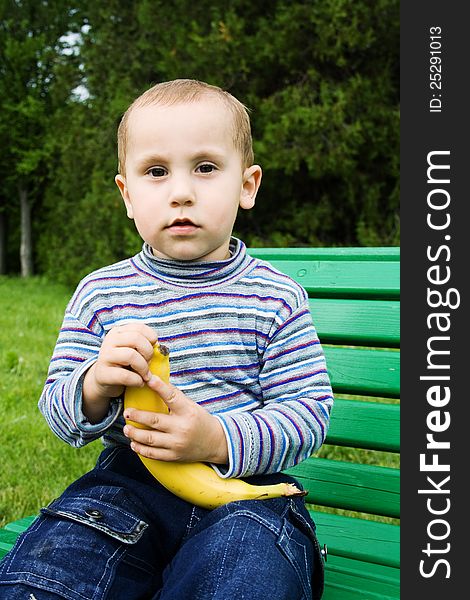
(297, 549)
(300, 517)
(75, 546)
(111, 519)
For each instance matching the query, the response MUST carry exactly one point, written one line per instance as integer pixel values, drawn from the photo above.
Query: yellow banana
(195, 482)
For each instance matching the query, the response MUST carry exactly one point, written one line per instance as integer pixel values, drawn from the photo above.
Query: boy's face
(184, 179)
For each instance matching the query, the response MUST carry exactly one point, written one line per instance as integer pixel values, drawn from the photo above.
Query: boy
(249, 391)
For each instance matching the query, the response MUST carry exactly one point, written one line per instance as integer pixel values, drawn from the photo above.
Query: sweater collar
(193, 272)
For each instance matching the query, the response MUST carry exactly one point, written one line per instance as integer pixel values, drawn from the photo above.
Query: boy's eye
(206, 168)
(157, 172)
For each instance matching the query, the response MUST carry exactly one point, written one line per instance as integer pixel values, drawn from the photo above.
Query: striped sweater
(242, 344)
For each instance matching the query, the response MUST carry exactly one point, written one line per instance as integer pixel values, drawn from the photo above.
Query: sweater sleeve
(297, 401)
(76, 350)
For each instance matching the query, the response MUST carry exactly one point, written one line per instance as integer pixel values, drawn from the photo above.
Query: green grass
(35, 465)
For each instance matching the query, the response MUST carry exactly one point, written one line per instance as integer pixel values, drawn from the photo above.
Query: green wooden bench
(354, 296)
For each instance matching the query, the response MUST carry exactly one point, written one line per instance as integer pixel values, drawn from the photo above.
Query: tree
(321, 79)
(31, 45)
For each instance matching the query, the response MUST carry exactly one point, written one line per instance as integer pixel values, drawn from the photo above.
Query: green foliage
(321, 79)
(35, 76)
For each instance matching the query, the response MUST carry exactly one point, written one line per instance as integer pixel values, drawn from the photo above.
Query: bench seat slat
(364, 371)
(351, 486)
(11, 531)
(359, 539)
(370, 425)
(348, 322)
(350, 579)
(7, 539)
(20, 525)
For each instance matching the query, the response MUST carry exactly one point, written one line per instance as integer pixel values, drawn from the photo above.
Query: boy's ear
(251, 182)
(122, 185)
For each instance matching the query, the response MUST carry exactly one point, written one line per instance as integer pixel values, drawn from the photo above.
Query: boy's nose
(182, 192)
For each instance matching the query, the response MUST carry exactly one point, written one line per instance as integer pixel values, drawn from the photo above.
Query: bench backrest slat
(332, 273)
(348, 321)
(363, 371)
(367, 425)
(359, 487)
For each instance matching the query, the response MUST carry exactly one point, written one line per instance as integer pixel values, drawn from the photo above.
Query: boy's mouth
(182, 226)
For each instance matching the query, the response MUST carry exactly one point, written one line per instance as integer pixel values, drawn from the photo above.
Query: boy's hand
(188, 433)
(122, 361)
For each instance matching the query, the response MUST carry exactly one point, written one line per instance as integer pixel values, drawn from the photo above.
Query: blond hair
(190, 90)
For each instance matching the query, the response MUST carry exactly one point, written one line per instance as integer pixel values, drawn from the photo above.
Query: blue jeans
(116, 533)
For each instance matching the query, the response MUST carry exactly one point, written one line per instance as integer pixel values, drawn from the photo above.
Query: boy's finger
(170, 394)
(137, 326)
(153, 438)
(117, 376)
(153, 420)
(131, 358)
(160, 453)
(131, 339)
